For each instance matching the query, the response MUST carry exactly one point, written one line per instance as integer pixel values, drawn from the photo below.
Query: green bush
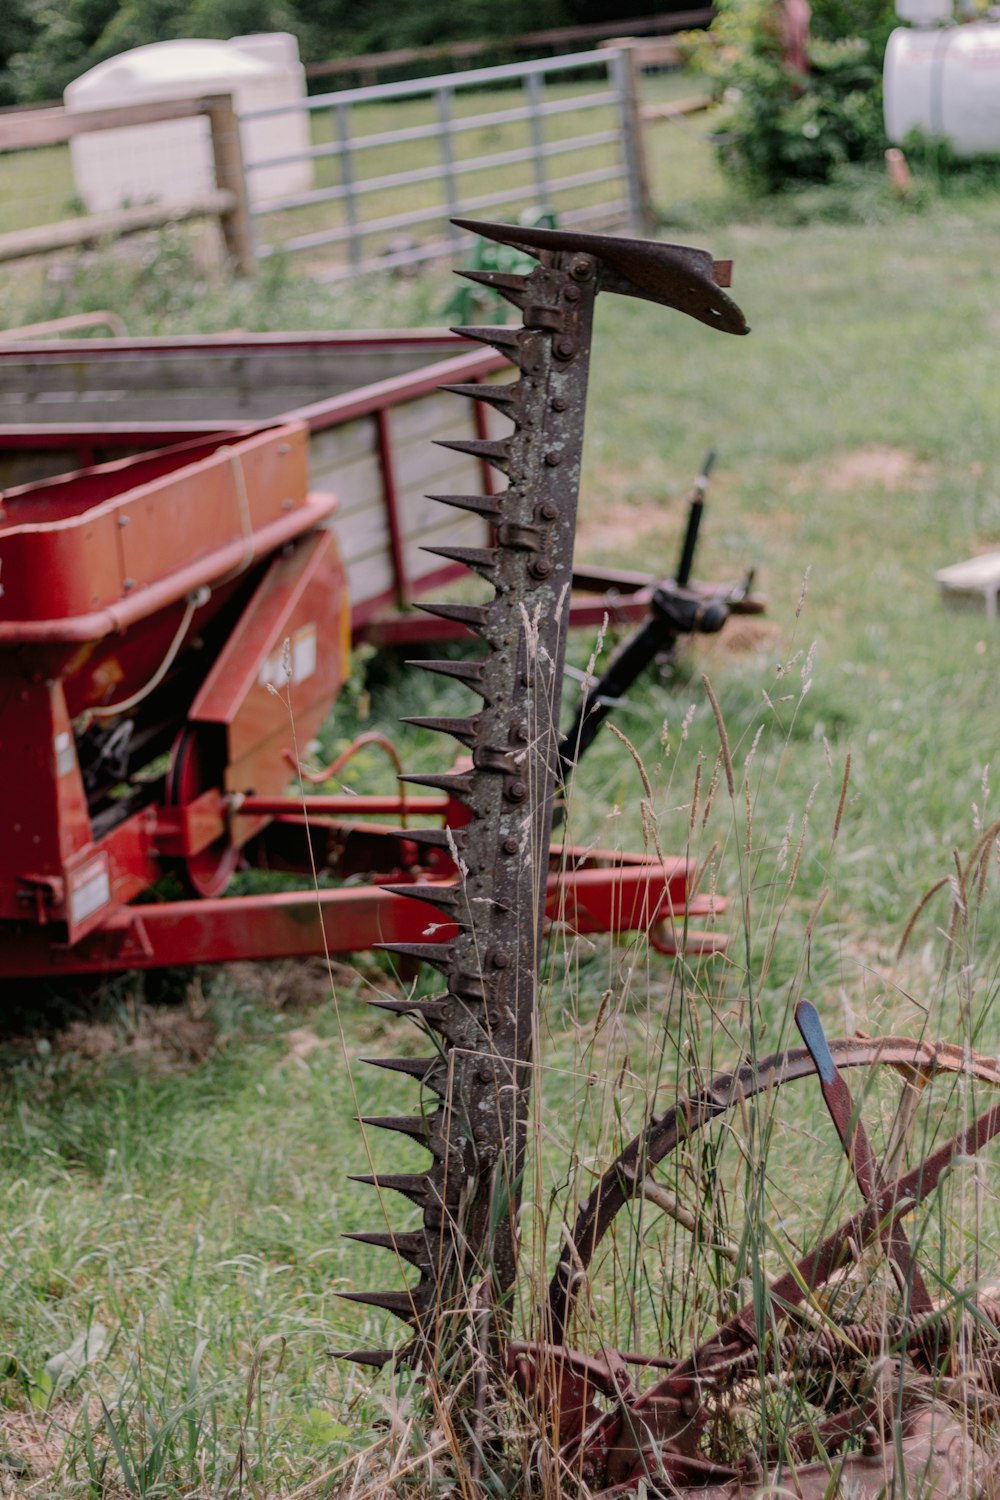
(784, 127)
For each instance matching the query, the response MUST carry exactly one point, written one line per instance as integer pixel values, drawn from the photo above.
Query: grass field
(172, 1179)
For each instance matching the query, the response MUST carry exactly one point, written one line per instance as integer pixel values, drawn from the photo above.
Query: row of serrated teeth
(437, 1014)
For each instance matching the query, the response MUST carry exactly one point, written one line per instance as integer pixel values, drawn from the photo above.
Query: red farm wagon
(193, 532)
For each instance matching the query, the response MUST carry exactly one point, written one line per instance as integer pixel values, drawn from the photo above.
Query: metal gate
(567, 133)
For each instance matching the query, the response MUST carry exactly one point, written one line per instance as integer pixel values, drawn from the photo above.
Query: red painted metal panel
(278, 674)
(43, 806)
(141, 604)
(112, 539)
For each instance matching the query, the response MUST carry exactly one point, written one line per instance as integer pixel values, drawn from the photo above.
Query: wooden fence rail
(227, 201)
(560, 38)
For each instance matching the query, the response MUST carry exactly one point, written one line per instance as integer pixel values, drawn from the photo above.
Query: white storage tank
(945, 82)
(170, 162)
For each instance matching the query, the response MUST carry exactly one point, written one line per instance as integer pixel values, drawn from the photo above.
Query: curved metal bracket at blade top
(677, 276)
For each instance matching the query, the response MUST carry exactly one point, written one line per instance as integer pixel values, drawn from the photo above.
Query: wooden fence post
(640, 199)
(230, 175)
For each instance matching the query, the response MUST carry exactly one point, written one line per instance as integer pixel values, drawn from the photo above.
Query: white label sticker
(293, 662)
(90, 889)
(65, 753)
(304, 653)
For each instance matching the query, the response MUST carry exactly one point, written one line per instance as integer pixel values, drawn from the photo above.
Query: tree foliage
(784, 126)
(45, 44)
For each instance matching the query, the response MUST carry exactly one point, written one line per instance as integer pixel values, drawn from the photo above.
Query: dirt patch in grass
(615, 526)
(742, 634)
(32, 1444)
(303, 984)
(164, 1037)
(878, 466)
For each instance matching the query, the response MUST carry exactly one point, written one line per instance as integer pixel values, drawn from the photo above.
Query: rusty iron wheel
(664, 1262)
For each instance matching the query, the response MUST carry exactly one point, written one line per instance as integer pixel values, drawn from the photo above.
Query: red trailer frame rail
(621, 895)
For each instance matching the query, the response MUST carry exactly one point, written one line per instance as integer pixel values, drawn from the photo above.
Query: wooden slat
(358, 488)
(677, 108)
(333, 448)
(369, 578)
(557, 37)
(51, 127)
(43, 239)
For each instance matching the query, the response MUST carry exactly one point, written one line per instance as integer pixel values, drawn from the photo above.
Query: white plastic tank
(170, 162)
(945, 81)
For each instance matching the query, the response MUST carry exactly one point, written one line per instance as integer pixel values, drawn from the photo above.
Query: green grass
(187, 1194)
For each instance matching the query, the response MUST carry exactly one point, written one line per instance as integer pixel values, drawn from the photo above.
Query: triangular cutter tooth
(413, 1067)
(472, 616)
(506, 396)
(508, 283)
(480, 505)
(401, 1304)
(506, 338)
(445, 897)
(466, 731)
(455, 783)
(438, 954)
(375, 1358)
(431, 1011)
(495, 451)
(415, 1126)
(469, 672)
(482, 560)
(409, 1246)
(433, 838)
(412, 1185)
